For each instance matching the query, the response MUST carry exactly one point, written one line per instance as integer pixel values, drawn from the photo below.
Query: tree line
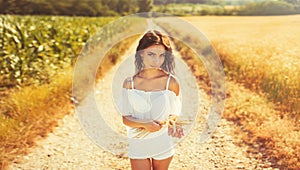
(125, 7)
(218, 7)
(280, 7)
(75, 7)
(217, 2)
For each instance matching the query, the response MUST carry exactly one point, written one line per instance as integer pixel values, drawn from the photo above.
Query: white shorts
(160, 147)
(164, 155)
(161, 156)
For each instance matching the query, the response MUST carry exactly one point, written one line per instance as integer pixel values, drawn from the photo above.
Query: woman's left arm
(174, 130)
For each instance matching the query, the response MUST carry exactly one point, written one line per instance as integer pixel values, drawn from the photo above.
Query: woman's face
(153, 56)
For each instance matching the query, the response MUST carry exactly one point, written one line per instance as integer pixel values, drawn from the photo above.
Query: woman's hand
(173, 130)
(152, 126)
(177, 132)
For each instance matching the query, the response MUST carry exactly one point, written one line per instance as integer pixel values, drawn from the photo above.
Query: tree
(294, 2)
(126, 6)
(82, 8)
(216, 2)
(267, 8)
(145, 5)
(4, 6)
(43, 7)
(74, 7)
(13, 6)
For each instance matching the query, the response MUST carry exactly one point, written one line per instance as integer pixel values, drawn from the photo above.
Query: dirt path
(68, 147)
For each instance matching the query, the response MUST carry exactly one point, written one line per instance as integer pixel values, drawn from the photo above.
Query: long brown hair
(153, 38)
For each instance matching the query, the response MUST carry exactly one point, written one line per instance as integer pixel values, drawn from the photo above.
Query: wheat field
(261, 54)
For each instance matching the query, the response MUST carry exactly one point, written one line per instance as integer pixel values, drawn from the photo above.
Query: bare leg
(161, 164)
(138, 164)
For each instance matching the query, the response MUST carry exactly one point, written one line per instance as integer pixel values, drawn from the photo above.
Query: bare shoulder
(127, 83)
(174, 85)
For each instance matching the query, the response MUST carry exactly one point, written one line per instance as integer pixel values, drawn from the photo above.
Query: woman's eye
(162, 55)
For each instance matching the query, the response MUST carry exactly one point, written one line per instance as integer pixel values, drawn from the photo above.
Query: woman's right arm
(149, 125)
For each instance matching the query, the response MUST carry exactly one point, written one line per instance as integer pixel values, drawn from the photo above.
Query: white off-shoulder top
(145, 105)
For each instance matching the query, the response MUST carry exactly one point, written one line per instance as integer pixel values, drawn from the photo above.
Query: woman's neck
(150, 73)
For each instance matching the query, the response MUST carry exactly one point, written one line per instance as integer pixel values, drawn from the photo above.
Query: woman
(150, 103)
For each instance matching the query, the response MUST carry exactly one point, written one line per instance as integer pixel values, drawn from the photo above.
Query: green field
(34, 48)
(37, 67)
